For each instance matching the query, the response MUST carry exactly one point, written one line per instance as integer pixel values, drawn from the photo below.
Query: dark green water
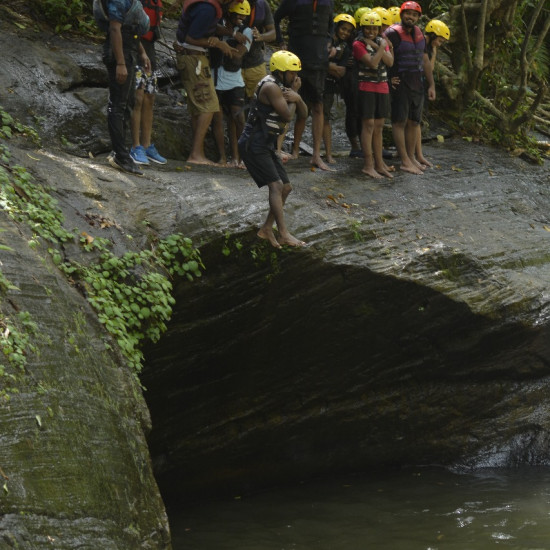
(420, 509)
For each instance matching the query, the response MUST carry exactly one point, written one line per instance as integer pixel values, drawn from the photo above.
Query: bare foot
(411, 168)
(419, 164)
(384, 171)
(203, 161)
(425, 162)
(291, 241)
(330, 159)
(284, 156)
(319, 163)
(371, 172)
(389, 168)
(268, 235)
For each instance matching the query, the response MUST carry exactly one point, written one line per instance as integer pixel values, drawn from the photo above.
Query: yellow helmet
(395, 13)
(371, 19)
(439, 28)
(242, 8)
(384, 14)
(284, 60)
(359, 12)
(345, 18)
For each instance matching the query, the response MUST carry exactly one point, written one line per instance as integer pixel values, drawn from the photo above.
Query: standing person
(310, 27)
(275, 101)
(143, 151)
(123, 21)
(196, 29)
(260, 21)
(411, 63)
(339, 55)
(436, 33)
(230, 84)
(373, 56)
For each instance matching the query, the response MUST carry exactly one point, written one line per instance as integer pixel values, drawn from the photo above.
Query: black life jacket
(311, 18)
(262, 117)
(369, 74)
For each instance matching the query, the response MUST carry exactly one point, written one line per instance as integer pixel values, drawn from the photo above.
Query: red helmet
(410, 6)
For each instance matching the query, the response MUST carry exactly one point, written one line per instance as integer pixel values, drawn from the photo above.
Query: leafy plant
(131, 293)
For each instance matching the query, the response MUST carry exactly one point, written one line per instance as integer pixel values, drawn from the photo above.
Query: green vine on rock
(132, 294)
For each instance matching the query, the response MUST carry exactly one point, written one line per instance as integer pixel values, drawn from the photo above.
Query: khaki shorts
(201, 94)
(251, 77)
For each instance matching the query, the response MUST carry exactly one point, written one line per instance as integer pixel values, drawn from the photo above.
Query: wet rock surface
(413, 328)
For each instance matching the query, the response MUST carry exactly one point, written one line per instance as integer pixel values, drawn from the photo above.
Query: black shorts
(231, 98)
(374, 105)
(313, 85)
(406, 104)
(262, 163)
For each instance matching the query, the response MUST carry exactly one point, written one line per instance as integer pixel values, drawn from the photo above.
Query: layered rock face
(413, 329)
(74, 463)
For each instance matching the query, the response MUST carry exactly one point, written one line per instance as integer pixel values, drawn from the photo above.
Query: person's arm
(145, 61)
(202, 18)
(432, 58)
(428, 73)
(267, 36)
(373, 61)
(284, 104)
(387, 56)
(115, 37)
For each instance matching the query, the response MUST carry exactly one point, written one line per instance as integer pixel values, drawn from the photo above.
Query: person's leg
(219, 136)
(118, 109)
(418, 153)
(377, 148)
(278, 193)
(411, 134)
(299, 127)
(317, 123)
(147, 119)
(327, 139)
(136, 117)
(398, 132)
(201, 123)
(367, 143)
(237, 112)
(202, 101)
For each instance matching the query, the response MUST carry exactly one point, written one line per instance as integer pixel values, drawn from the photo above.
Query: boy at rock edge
(275, 102)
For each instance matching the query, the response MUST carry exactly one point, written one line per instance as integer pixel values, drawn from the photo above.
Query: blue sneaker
(139, 156)
(153, 154)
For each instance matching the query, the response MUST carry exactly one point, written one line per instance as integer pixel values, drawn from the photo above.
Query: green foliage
(16, 336)
(65, 15)
(131, 293)
(10, 127)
